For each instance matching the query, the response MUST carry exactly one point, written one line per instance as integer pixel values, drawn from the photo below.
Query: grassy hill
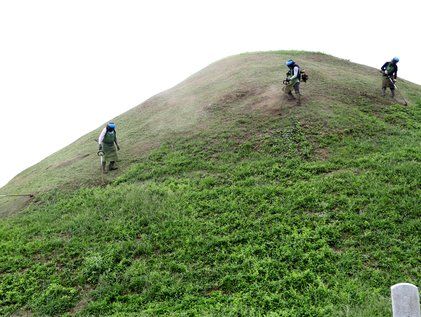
(230, 201)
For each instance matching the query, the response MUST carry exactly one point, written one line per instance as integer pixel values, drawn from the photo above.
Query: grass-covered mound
(267, 210)
(208, 101)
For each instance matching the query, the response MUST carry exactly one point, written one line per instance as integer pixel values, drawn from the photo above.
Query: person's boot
(112, 166)
(103, 164)
(392, 92)
(298, 99)
(290, 96)
(383, 92)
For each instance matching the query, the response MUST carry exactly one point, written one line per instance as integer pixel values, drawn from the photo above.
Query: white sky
(66, 67)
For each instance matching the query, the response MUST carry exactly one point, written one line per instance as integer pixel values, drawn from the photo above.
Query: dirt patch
(68, 162)
(233, 97)
(13, 205)
(273, 101)
(83, 302)
(236, 96)
(322, 153)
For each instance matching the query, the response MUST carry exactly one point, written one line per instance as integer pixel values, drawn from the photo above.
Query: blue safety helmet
(289, 62)
(111, 125)
(395, 59)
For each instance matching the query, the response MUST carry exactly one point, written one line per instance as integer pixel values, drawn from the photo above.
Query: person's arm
(384, 66)
(101, 137)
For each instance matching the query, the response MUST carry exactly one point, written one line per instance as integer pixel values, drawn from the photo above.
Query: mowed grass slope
(231, 201)
(247, 83)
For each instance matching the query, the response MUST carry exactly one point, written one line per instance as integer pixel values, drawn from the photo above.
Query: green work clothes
(108, 147)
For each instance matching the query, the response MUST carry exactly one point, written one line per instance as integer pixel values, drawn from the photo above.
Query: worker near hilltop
(390, 74)
(108, 147)
(292, 80)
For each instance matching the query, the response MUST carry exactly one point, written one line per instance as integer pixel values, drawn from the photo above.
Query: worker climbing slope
(390, 74)
(108, 145)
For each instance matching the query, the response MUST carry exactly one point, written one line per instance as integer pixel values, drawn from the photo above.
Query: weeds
(246, 220)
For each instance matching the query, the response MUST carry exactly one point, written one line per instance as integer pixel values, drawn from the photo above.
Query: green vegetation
(263, 209)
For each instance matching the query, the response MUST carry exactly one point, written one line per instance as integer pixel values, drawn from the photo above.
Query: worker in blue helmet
(390, 74)
(292, 81)
(108, 146)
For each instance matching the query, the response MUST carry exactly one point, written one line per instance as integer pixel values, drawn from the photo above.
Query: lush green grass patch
(232, 223)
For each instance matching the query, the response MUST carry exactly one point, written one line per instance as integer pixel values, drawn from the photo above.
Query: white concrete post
(405, 300)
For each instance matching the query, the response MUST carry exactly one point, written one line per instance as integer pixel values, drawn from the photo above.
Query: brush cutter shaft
(392, 81)
(394, 85)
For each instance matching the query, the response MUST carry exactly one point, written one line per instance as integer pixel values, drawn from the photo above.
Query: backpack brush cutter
(303, 77)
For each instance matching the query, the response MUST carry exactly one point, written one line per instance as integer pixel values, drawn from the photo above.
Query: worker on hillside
(293, 80)
(107, 145)
(390, 74)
